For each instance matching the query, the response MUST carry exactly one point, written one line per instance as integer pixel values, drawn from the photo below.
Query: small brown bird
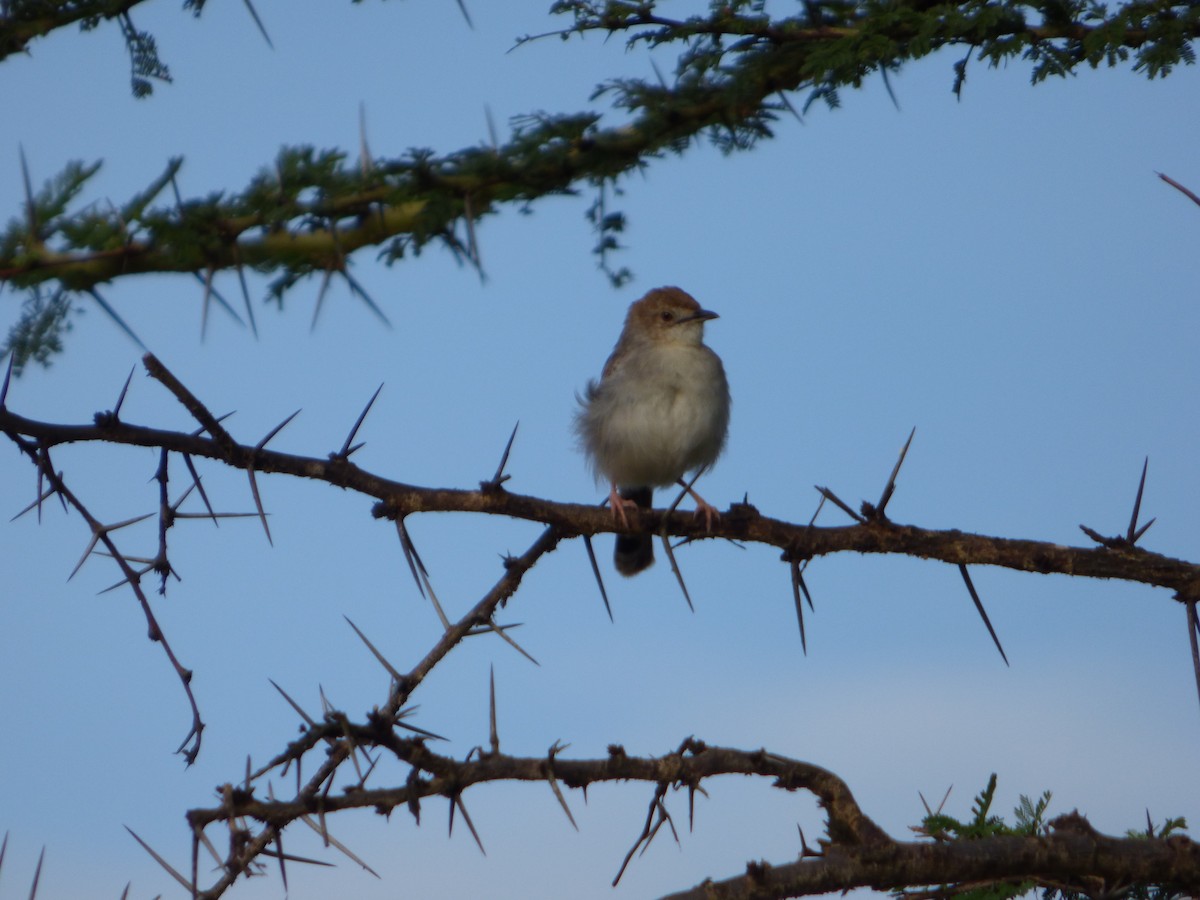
(659, 411)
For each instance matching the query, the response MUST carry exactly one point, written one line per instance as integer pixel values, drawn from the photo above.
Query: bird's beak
(702, 315)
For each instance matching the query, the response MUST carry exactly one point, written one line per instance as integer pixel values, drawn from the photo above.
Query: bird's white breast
(662, 412)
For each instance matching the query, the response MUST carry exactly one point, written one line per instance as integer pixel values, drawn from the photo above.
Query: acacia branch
(24, 21)
(855, 853)
(1071, 857)
(308, 212)
(1116, 559)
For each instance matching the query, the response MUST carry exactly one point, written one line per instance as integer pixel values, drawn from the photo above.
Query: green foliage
(38, 333)
(1029, 821)
(733, 69)
(1029, 816)
(144, 63)
(607, 225)
(23, 20)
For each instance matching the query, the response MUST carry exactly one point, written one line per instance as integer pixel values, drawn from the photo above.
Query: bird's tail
(635, 552)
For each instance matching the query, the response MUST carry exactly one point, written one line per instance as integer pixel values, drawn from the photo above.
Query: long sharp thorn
(1171, 181)
(666, 817)
(587, 542)
(924, 803)
(210, 847)
(462, 7)
(266, 37)
(37, 875)
(245, 291)
(891, 484)
(837, 501)
(470, 825)
(410, 555)
(477, 630)
(262, 516)
(504, 636)
(208, 276)
(437, 605)
(493, 733)
(982, 612)
(30, 211)
(498, 477)
(7, 378)
(191, 467)
(294, 705)
(417, 729)
(359, 291)
(36, 503)
(274, 431)
(216, 295)
(666, 541)
(364, 152)
(325, 279)
(887, 83)
(219, 419)
(491, 125)
(346, 451)
(121, 399)
(336, 844)
(561, 799)
(799, 605)
(162, 862)
(282, 866)
(1138, 534)
(41, 475)
(112, 314)
(675, 568)
(1193, 630)
(86, 553)
(472, 245)
(945, 797)
(1131, 536)
(804, 587)
(379, 656)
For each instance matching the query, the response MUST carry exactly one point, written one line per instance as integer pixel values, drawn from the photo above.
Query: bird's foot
(703, 507)
(619, 504)
(706, 509)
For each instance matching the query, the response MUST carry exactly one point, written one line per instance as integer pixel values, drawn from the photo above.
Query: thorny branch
(856, 852)
(1117, 558)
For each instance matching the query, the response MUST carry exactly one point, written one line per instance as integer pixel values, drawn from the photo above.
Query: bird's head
(668, 314)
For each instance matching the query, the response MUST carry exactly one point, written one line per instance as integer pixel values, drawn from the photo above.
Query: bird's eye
(667, 316)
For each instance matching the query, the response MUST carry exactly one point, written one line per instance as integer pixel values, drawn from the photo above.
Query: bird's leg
(619, 504)
(703, 507)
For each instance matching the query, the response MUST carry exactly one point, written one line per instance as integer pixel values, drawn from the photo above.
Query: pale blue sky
(1006, 273)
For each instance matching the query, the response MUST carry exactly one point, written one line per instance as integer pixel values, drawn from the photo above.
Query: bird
(660, 410)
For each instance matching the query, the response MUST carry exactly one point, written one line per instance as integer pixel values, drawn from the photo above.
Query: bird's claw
(706, 509)
(619, 504)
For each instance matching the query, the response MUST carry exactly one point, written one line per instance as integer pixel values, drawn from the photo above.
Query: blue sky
(1005, 273)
